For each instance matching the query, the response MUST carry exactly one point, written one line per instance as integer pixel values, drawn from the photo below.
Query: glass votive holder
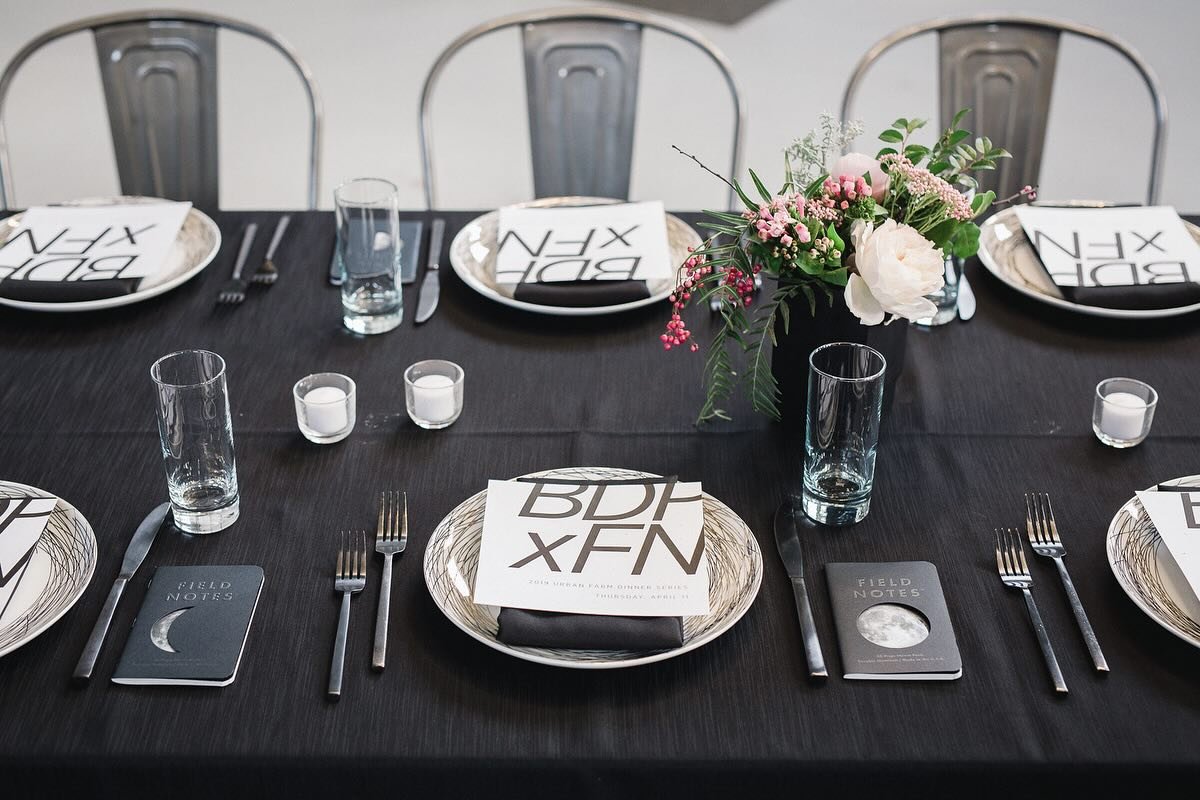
(325, 407)
(1123, 411)
(433, 393)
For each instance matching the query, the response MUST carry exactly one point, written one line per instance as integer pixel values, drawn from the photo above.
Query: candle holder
(1123, 411)
(433, 393)
(325, 407)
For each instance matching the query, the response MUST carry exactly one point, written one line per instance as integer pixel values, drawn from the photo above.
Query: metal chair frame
(619, 33)
(177, 42)
(1041, 37)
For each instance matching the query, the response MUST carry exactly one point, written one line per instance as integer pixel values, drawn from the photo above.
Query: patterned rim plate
(197, 245)
(1007, 254)
(472, 256)
(61, 567)
(1148, 574)
(735, 564)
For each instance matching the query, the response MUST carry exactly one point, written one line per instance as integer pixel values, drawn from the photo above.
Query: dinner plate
(1146, 571)
(734, 564)
(59, 570)
(196, 246)
(473, 256)
(1006, 253)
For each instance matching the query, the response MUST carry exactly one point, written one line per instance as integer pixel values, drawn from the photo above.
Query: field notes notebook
(192, 627)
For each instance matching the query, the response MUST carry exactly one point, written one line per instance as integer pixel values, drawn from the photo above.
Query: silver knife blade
(135, 553)
(427, 300)
(143, 537)
(966, 298)
(787, 541)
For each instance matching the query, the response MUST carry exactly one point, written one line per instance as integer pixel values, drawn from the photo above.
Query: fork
(351, 578)
(1014, 573)
(1043, 537)
(391, 537)
(267, 273)
(234, 291)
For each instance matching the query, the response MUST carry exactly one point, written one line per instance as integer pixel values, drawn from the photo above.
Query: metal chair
(159, 70)
(1002, 67)
(581, 78)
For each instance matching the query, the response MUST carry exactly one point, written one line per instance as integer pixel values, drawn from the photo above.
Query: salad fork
(350, 578)
(391, 537)
(1014, 573)
(1043, 537)
(267, 273)
(234, 291)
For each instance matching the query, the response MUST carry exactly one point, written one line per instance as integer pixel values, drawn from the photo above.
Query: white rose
(857, 164)
(896, 268)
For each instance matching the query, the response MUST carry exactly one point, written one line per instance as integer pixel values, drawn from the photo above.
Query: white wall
(792, 58)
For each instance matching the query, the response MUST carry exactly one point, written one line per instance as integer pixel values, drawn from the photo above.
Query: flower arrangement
(876, 230)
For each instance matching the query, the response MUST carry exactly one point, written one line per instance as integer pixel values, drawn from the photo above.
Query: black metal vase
(831, 323)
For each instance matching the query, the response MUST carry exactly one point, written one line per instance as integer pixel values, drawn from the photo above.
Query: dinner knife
(430, 287)
(966, 297)
(139, 545)
(787, 540)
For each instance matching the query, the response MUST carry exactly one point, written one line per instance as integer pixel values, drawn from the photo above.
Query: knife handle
(91, 651)
(808, 629)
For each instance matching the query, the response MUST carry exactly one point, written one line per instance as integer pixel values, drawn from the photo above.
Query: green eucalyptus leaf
(891, 136)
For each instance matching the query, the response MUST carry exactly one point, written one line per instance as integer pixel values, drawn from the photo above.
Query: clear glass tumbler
(946, 298)
(196, 432)
(845, 397)
(368, 253)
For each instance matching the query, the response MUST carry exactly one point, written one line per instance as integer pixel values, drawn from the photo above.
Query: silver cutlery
(1043, 537)
(787, 540)
(1014, 573)
(966, 296)
(350, 578)
(267, 273)
(391, 537)
(234, 291)
(430, 287)
(135, 553)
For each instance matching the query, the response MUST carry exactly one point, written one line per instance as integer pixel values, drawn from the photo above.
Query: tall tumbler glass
(368, 254)
(845, 399)
(196, 432)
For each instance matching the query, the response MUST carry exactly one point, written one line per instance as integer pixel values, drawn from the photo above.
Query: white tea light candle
(1123, 415)
(326, 409)
(433, 393)
(1123, 411)
(433, 398)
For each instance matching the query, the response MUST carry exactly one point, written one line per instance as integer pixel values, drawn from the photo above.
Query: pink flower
(859, 164)
(785, 240)
(802, 233)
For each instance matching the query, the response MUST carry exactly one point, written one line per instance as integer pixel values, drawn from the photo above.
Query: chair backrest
(1002, 67)
(159, 72)
(581, 79)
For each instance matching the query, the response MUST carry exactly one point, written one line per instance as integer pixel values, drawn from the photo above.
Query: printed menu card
(632, 549)
(88, 243)
(1098, 255)
(1176, 515)
(616, 242)
(22, 521)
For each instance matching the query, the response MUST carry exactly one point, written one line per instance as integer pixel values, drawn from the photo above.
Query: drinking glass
(196, 433)
(368, 254)
(946, 298)
(845, 396)
(1123, 411)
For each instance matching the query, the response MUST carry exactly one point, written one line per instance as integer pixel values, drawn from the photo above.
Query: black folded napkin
(1143, 297)
(67, 291)
(520, 627)
(581, 294)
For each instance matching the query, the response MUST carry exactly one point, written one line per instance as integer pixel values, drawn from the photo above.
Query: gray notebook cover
(192, 626)
(906, 602)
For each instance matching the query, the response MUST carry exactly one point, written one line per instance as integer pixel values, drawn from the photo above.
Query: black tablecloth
(984, 412)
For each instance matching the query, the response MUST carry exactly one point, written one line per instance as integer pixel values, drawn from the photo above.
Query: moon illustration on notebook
(161, 630)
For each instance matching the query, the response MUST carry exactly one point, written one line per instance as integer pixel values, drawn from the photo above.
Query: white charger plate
(59, 570)
(734, 563)
(1006, 253)
(1146, 571)
(197, 245)
(473, 257)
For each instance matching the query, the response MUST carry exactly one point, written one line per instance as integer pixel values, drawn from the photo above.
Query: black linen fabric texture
(984, 412)
(581, 293)
(1143, 297)
(67, 291)
(519, 626)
